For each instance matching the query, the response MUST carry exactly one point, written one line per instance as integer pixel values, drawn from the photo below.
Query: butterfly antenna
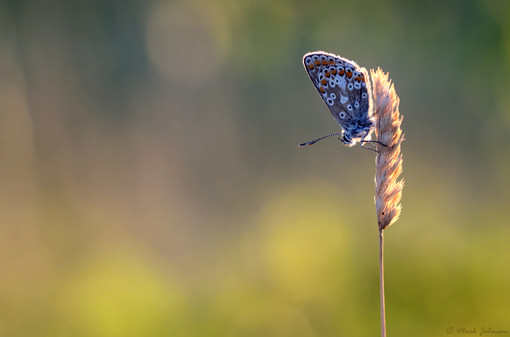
(319, 139)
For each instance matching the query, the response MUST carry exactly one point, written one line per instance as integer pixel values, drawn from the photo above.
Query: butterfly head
(355, 130)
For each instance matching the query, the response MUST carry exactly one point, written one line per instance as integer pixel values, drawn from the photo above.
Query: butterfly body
(345, 88)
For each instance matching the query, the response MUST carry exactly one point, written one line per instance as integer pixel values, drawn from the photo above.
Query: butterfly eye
(356, 104)
(332, 95)
(341, 115)
(364, 95)
(350, 86)
(332, 83)
(315, 57)
(330, 101)
(357, 85)
(308, 60)
(349, 107)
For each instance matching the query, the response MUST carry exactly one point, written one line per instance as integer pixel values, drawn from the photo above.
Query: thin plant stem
(381, 283)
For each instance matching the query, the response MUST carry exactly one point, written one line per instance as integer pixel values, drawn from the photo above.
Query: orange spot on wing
(349, 73)
(333, 71)
(310, 66)
(321, 89)
(325, 63)
(317, 62)
(341, 72)
(324, 82)
(327, 73)
(332, 62)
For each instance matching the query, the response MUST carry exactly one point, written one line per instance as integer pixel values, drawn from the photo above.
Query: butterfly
(345, 88)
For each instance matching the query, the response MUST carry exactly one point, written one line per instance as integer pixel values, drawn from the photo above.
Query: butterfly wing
(343, 85)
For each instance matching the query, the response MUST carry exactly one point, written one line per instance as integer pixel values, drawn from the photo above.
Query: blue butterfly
(345, 88)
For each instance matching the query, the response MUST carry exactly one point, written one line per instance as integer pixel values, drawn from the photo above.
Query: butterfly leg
(374, 141)
(369, 148)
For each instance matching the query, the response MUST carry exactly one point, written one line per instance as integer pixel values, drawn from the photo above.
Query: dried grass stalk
(388, 187)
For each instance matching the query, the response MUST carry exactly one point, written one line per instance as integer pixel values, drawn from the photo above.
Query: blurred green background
(151, 185)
